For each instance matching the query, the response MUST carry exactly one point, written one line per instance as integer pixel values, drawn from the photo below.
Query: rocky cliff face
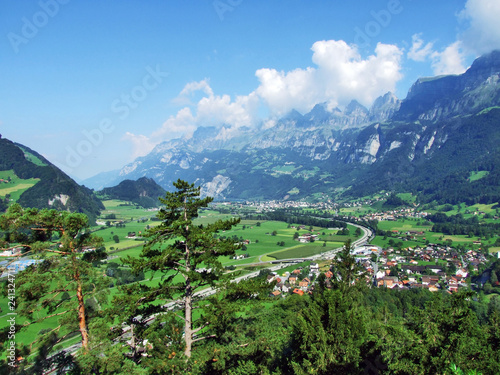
(328, 150)
(440, 98)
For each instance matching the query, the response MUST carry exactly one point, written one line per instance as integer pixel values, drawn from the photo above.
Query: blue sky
(91, 85)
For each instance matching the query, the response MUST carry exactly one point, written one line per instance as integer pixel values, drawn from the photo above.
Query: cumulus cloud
(449, 61)
(187, 95)
(419, 51)
(217, 110)
(182, 123)
(210, 110)
(340, 76)
(483, 32)
(480, 34)
(141, 145)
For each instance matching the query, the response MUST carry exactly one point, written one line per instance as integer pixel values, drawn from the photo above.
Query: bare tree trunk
(81, 313)
(188, 323)
(188, 302)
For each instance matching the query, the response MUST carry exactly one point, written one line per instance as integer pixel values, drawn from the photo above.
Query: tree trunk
(188, 323)
(81, 313)
(188, 302)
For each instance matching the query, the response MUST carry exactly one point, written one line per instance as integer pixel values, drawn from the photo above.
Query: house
(389, 281)
(430, 280)
(329, 274)
(285, 288)
(314, 267)
(292, 279)
(298, 291)
(303, 284)
(462, 272)
(276, 293)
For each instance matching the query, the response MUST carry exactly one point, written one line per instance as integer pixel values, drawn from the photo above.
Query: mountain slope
(54, 189)
(445, 130)
(145, 192)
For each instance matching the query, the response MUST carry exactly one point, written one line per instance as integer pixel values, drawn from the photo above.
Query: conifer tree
(186, 254)
(57, 240)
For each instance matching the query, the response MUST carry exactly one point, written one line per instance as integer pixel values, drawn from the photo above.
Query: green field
(406, 225)
(474, 176)
(304, 250)
(15, 186)
(32, 158)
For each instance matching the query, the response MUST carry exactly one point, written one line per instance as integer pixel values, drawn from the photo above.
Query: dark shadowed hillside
(145, 192)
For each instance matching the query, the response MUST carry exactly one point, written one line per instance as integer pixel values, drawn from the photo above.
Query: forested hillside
(52, 188)
(144, 192)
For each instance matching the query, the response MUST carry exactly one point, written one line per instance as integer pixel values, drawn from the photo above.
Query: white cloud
(217, 110)
(285, 91)
(210, 110)
(480, 34)
(187, 95)
(182, 123)
(141, 145)
(450, 61)
(419, 51)
(197, 86)
(483, 33)
(341, 75)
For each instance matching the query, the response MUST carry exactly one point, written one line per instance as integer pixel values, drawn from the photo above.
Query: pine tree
(179, 247)
(63, 269)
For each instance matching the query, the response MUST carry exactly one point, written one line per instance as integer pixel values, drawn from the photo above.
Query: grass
(16, 186)
(264, 244)
(32, 158)
(474, 176)
(304, 250)
(495, 249)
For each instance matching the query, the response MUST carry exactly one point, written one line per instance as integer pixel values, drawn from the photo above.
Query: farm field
(260, 235)
(263, 243)
(16, 186)
(406, 225)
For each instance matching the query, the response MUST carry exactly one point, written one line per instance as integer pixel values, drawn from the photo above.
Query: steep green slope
(145, 192)
(54, 188)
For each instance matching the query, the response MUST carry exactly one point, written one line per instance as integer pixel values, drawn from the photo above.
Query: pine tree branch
(203, 338)
(200, 328)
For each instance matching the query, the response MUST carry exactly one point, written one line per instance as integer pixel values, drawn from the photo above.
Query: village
(434, 268)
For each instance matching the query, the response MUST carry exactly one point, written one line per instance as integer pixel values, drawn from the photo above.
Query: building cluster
(433, 267)
(393, 215)
(299, 281)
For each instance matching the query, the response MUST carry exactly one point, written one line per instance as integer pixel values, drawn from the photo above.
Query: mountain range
(447, 129)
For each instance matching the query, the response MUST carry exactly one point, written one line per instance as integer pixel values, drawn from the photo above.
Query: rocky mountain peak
(384, 107)
(355, 108)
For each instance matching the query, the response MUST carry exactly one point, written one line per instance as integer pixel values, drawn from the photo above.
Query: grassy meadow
(16, 186)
